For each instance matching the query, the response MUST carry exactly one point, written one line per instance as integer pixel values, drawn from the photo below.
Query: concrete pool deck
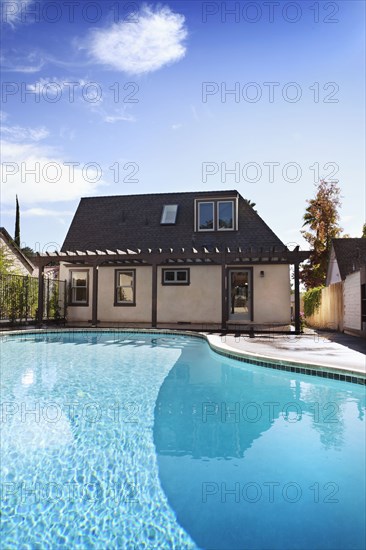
(335, 351)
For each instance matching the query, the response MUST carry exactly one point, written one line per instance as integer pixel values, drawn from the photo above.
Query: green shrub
(312, 300)
(19, 298)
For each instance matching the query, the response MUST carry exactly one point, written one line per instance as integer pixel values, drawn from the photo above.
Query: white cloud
(40, 213)
(194, 113)
(37, 174)
(27, 69)
(176, 126)
(19, 133)
(52, 87)
(111, 119)
(15, 12)
(46, 212)
(74, 90)
(67, 133)
(32, 62)
(154, 40)
(3, 116)
(16, 62)
(120, 115)
(113, 115)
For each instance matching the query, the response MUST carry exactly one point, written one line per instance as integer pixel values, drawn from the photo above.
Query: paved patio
(331, 350)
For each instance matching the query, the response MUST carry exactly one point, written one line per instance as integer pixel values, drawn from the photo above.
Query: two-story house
(195, 258)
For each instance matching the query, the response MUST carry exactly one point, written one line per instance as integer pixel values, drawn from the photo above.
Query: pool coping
(312, 369)
(344, 374)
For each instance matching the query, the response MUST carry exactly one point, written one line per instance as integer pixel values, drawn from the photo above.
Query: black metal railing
(19, 299)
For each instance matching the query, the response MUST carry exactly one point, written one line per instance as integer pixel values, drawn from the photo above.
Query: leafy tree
(250, 203)
(17, 223)
(363, 236)
(27, 251)
(321, 217)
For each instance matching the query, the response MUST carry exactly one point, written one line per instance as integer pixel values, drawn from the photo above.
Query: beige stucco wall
(107, 312)
(78, 313)
(199, 302)
(17, 267)
(271, 294)
(352, 301)
(141, 313)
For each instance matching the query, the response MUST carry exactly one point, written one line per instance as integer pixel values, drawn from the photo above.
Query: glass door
(240, 294)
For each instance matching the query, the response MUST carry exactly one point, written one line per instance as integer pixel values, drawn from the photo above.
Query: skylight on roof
(169, 214)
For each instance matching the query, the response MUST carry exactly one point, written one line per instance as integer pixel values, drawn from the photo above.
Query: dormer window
(169, 214)
(216, 215)
(225, 215)
(205, 216)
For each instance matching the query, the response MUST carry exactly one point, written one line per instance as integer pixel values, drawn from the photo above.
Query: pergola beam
(149, 257)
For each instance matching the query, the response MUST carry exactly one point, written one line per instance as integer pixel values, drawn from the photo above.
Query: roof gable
(350, 255)
(15, 250)
(134, 221)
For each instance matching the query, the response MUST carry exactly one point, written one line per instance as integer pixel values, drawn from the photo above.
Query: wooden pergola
(224, 256)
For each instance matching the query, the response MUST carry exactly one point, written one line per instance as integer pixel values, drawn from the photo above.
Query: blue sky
(112, 97)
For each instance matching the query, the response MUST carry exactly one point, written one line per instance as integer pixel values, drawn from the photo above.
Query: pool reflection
(219, 426)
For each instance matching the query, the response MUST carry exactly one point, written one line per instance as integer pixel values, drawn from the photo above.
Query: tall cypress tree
(17, 223)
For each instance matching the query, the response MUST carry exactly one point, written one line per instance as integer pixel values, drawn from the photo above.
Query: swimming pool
(140, 440)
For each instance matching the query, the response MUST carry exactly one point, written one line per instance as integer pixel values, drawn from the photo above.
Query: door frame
(249, 269)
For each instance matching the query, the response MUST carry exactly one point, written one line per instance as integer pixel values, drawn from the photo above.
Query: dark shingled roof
(133, 221)
(350, 255)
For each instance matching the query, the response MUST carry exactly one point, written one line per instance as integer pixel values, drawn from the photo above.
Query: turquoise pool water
(129, 441)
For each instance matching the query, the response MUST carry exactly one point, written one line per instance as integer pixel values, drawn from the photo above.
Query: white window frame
(117, 286)
(218, 216)
(74, 288)
(215, 205)
(175, 281)
(198, 215)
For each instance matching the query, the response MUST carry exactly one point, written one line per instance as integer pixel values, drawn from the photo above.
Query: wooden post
(154, 297)
(26, 280)
(297, 300)
(224, 303)
(40, 294)
(65, 299)
(48, 299)
(95, 296)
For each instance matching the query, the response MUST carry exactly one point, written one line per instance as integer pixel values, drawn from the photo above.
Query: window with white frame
(125, 287)
(225, 215)
(205, 216)
(216, 215)
(175, 277)
(79, 287)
